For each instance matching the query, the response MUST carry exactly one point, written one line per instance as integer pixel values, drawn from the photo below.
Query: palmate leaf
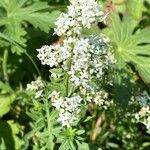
(131, 45)
(135, 8)
(18, 14)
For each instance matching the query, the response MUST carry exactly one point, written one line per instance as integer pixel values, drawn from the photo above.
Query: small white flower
(38, 94)
(84, 59)
(54, 95)
(81, 13)
(57, 103)
(68, 107)
(143, 116)
(137, 116)
(66, 119)
(37, 87)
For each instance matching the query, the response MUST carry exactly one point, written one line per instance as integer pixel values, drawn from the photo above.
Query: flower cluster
(68, 107)
(143, 99)
(100, 98)
(36, 86)
(84, 60)
(81, 13)
(143, 116)
(53, 55)
(90, 57)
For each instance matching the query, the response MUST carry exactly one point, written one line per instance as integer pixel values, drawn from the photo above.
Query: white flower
(100, 98)
(81, 13)
(91, 56)
(84, 60)
(58, 103)
(54, 95)
(137, 116)
(49, 55)
(144, 110)
(66, 118)
(143, 116)
(143, 99)
(68, 107)
(38, 94)
(37, 87)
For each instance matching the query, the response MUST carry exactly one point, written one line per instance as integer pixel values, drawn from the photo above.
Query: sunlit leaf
(5, 102)
(18, 14)
(131, 46)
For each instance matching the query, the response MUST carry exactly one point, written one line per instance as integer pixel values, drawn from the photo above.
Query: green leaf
(130, 45)
(18, 15)
(64, 145)
(135, 8)
(4, 87)
(124, 86)
(146, 144)
(113, 145)
(53, 116)
(86, 146)
(57, 71)
(8, 134)
(5, 102)
(57, 86)
(2, 144)
(71, 144)
(148, 1)
(4, 37)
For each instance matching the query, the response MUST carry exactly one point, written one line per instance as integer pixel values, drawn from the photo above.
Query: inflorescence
(83, 59)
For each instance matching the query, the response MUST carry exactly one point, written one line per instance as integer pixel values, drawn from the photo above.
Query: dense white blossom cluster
(53, 55)
(68, 107)
(37, 87)
(90, 57)
(81, 13)
(82, 59)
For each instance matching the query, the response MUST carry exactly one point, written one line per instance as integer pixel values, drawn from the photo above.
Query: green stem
(33, 63)
(49, 125)
(5, 58)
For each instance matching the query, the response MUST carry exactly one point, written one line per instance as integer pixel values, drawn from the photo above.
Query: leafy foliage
(9, 135)
(29, 123)
(5, 102)
(135, 8)
(18, 12)
(131, 45)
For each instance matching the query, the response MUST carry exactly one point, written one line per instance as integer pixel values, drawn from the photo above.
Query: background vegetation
(26, 25)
